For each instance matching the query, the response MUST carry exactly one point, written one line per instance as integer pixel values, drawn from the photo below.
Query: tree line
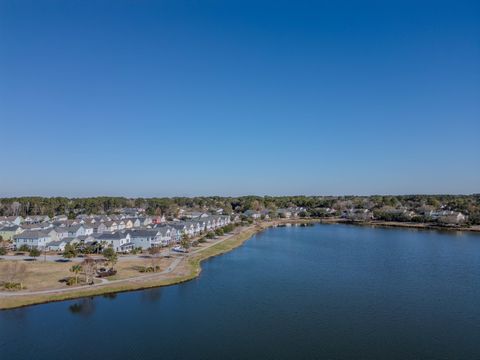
(27, 206)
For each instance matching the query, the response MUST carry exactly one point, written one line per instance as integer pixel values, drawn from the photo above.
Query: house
(128, 223)
(36, 226)
(110, 226)
(145, 239)
(135, 223)
(170, 233)
(62, 232)
(59, 245)
(99, 228)
(181, 228)
(119, 241)
(453, 218)
(446, 216)
(32, 238)
(75, 230)
(12, 220)
(252, 214)
(158, 219)
(145, 221)
(35, 219)
(89, 229)
(60, 218)
(7, 232)
(358, 215)
(120, 225)
(284, 213)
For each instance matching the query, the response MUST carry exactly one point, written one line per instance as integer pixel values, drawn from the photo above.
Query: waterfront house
(358, 215)
(452, 218)
(119, 241)
(145, 239)
(252, 214)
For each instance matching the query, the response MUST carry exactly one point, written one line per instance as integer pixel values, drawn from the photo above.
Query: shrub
(3, 250)
(12, 286)
(71, 281)
(24, 248)
(34, 252)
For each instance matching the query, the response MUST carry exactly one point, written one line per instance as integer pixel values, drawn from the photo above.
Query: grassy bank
(190, 270)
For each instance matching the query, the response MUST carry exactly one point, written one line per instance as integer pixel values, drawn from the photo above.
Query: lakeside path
(184, 267)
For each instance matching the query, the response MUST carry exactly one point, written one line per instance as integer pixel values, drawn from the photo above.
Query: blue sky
(174, 98)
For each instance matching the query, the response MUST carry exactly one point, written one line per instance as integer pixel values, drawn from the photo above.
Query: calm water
(328, 291)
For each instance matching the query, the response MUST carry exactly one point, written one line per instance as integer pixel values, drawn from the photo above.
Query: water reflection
(15, 314)
(152, 295)
(84, 307)
(111, 296)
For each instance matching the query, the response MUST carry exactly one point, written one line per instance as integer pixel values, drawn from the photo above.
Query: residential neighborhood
(120, 232)
(132, 228)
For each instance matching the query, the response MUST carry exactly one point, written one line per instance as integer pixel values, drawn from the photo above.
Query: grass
(185, 271)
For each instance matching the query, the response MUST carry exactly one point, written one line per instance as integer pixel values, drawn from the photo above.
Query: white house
(145, 239)
(32, 238)
(119, 241)
(14, 220)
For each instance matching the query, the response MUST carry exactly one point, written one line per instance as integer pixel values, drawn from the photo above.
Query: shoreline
(192, 261)
(397, 224)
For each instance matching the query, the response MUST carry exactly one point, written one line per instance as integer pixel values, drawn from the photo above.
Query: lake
(325, 291)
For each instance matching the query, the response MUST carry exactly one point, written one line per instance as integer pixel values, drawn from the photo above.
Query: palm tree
(76, 269)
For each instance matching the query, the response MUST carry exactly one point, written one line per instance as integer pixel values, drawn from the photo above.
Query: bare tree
(155, 253)
(89, 267)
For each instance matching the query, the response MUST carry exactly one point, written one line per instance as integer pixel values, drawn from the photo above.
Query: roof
(10, 228)
(32, 234)
(142, 233)
(56, 243)
(112, 236)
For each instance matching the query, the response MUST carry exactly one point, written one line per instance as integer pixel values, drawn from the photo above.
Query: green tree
(185, 241)
(110, 255)
(69, 252)
(34, 252)
(24, 248)
(76, 269)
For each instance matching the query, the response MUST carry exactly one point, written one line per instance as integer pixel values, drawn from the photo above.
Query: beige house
(7, 232)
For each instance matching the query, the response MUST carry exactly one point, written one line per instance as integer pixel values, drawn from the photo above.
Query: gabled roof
(112, 236)
(142, 233)
(32, 234)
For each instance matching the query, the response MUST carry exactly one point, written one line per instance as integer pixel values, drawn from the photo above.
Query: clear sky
(173, 98)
